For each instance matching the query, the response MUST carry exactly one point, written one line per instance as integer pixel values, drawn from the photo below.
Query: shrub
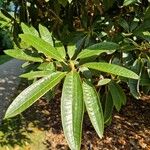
(81, 74)
(94, 48)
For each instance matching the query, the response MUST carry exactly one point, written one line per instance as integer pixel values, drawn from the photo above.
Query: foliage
(78, 88)
(94, 49)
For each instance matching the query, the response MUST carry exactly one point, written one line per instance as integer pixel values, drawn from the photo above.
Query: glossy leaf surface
(45, 34)
(72, 109)
(97, 49)
(31, 94)
(41, 46)
(20, 54)
(29, 30)
(35, 74)
(93, 107)
(112, 69)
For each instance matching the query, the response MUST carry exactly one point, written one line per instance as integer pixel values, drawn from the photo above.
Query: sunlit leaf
(72, 109)
(22, 55)
(32, 93)
(35, 74)
(42, 46)
(93, 107)
(103, 81)
(29, 30)
(97, 49)
(112, 69)
(45, 34)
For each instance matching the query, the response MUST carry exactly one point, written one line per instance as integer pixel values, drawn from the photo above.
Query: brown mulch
(129, 130)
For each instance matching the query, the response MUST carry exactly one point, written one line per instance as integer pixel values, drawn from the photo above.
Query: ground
(129, 130)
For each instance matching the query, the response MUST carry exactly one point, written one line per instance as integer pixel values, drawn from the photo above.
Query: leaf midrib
(35, 94)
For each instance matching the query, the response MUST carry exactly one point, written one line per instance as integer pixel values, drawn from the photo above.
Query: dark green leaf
(4, 58)
(118, 95)
(108, 107)
(134, 84)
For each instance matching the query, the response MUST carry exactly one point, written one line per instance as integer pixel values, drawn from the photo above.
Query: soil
(129, 129)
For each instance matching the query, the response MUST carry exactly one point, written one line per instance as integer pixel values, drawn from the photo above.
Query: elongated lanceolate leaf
(41, 46)
(97, 49)
(72, 109)
(35, 74)
(112, 69)
(20, 54)
(118, 95)
(108, 107)
(31, 94)
(93, 107)
(45, 34)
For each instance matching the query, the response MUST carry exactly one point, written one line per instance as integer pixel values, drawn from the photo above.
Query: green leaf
(118, 95)
(60, 48)
(97, 49)
(134, 84)
(86, 72)
(123, 23)
(31, 94)
(72, 109)
(29, 30)
(144, 78)
(112, 69)
(93, 107)
(103, 82)
(45, 34)
(35, 74)
(42, 46)
(108, 107)
(4, 58)
(47, 66)
(128, 2)
(71, 50)
(20, 54)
